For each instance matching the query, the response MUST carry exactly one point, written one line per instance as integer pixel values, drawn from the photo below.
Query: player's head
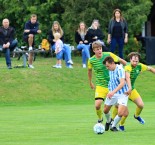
(57, 35)
(109, 63)
(33, 18)
(134, 58)
(97, 48)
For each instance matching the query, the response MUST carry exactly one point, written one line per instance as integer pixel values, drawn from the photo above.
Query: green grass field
(47, 106)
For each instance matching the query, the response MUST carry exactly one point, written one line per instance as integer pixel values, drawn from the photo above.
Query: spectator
(58, 50)
(117, 32)
(81, 38)
(95, 34)
(30, 30)
(66, 49)
(7, 40)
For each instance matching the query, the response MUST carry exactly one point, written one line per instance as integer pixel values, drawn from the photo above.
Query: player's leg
(122, 121)
(136, 98)
(98, 107)
(100, 94)
(122, 110)
(107, 106)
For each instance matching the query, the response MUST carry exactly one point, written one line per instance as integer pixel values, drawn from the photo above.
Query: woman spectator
(66, 49)
(82, 40)
(95, 33)
(117, 32)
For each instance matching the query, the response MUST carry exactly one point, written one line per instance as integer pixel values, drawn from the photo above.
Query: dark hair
(130, 55)
(118, 10)
(108, 59)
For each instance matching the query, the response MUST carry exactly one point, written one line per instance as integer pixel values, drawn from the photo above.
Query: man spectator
(7, 40)
(30, 30)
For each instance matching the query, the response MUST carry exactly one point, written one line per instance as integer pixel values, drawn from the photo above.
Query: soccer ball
(99, 128)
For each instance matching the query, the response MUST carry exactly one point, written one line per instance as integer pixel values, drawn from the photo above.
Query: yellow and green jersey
(134, 71)
(101, 72)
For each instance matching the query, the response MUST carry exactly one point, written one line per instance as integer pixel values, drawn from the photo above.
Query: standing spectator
(66, 49)
(58, 50)
(7, 40)
(95, 34)
(82, 40)
(30, 30)
(117, 32)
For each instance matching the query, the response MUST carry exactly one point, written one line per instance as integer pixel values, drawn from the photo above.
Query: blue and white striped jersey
(115, 77)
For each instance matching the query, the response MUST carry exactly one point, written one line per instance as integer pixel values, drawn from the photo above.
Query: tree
(79, 10)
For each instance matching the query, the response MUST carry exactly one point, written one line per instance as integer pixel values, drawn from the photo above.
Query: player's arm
(128, 81)
(122, 83)
(122, 61)
(90, 78)
(151, 69)
(118, 59)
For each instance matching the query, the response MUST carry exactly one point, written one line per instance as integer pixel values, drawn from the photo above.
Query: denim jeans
(85, 52)
(8, 50)
(120, 42)
(66, 51)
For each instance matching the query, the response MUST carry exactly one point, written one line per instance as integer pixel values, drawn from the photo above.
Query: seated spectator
(7, 41)
(66, 48)
(95, 34)
(58, 50)
(30, 30)
(81, 38)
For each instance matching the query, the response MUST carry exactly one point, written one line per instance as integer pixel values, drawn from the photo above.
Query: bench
(23, 52)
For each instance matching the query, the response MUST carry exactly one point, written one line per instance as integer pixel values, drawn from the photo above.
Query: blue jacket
(123, 25)
(32, 27)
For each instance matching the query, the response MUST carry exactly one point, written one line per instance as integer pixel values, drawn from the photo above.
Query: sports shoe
(31, 66)
(84, 66)
(100, 120)
(70, 66)
(70, 62)
(55, 66)
(121, 128)
(114, 129)
(107, 126)
(141, 120)
(9, 67)
(59, 66)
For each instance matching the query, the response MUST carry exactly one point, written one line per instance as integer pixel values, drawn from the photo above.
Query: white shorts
(117, 99)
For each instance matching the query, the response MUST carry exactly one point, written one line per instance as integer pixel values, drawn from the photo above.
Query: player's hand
(128, 92)
(92, 85)
(110, 94)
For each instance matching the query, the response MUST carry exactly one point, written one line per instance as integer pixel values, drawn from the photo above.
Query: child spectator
(58, 50)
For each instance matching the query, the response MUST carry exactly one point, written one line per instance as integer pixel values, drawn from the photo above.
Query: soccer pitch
(47, 106)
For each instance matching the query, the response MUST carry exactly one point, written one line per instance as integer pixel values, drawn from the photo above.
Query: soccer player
(119, 89)
(102, 75)
(134, 68)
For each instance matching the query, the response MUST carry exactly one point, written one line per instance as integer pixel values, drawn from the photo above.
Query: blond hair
(59, 28)
(96, 44)
(85, 29)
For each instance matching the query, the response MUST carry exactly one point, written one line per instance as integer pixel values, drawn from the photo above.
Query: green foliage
(70, 12)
